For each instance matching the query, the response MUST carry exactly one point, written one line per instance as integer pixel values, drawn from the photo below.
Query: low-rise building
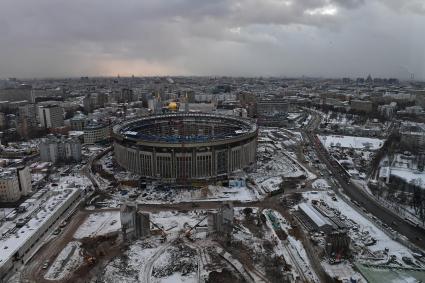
(315, 218)
(362, 105)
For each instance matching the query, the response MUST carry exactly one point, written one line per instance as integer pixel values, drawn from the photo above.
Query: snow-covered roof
(15, 238)
(314, 215)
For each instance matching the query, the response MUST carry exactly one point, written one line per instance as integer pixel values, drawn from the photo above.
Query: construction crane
(188, 233)
(163, 233)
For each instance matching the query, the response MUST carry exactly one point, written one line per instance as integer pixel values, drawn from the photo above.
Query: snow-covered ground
(409, 175)
(351, 142)
(342, 270)
(320, 184)
(68, 260)
(169, 261)
(74, 181)
(365, 226)
(174, 222)
(295, 248)
(210, 193)
(99, 223)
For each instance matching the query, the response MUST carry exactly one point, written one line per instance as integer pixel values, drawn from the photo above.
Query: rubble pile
(179, 258)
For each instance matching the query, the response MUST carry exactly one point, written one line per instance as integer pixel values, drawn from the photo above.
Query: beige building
(96, 132)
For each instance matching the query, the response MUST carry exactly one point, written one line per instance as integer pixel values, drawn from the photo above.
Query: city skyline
(323, 38)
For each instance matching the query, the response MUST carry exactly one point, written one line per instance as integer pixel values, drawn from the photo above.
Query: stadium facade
(179, 147)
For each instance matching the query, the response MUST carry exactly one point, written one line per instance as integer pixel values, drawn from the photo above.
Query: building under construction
(135, 224)
(185, 147)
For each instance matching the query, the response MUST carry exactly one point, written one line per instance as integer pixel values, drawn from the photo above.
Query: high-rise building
(27, 122)
(54, 149)
(14, 183)
(51, 116)
(28, 110)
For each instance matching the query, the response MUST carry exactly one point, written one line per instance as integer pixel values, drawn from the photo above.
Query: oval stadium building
(181, 147)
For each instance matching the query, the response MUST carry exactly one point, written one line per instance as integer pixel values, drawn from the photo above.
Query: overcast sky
(327, 38)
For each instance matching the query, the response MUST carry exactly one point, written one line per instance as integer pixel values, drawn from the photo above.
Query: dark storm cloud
(246, 37)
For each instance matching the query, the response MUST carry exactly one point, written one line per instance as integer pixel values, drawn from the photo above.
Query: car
(57, 231)
(334, 199)
(45, 265)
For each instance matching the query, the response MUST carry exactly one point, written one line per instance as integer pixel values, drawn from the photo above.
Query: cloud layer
(329, 38)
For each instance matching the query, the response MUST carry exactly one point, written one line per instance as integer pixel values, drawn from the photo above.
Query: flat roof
(14, 238)
(314, 215)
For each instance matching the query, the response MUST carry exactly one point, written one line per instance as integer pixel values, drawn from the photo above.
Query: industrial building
(181, 147)
(314, 220)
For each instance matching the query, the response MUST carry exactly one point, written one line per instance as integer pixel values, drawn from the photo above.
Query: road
(414, 234)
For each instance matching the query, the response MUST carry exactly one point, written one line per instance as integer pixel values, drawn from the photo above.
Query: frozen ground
(69, 259)
(99, 223)
(351, 142)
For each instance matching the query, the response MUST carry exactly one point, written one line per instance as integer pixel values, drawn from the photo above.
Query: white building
(53, 149)
(14, 183)
(18, 244)
(50, 116)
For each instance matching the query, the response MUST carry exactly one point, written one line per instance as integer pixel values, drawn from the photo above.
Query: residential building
(14, 183)
(387, 110)
(50, 116)
(54, 149)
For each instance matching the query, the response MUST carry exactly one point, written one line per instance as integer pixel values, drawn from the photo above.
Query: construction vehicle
(90, 260)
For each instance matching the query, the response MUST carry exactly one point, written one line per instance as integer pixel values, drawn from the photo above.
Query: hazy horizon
(249, 38)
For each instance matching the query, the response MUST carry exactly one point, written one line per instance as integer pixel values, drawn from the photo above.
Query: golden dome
(172, 106)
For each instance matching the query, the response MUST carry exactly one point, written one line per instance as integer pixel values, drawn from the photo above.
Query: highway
(415, 235)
